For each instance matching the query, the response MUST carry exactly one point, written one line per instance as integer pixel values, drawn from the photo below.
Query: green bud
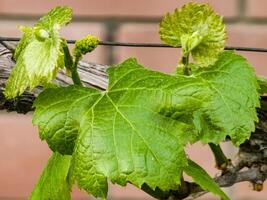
(85, 45)
(41, 34)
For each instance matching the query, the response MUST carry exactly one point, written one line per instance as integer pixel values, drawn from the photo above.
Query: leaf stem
(70, 65)
(67, 56)
(74, 73)
(221, 160)
(185, 61)
(156, 193)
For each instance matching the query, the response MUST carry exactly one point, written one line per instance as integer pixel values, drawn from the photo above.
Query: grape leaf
(28, 35)
(117, 134)
(197, 29)
(263, 84)
(54, 183)
(58, 112)
(17, 81)
(40, 59)
(232, 110)
(59, 16)
(201, 177)
(39, 53)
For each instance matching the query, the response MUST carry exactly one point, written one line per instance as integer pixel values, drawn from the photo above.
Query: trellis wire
(153, 45)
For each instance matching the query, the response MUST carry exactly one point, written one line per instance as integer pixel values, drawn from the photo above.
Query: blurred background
(23, 155)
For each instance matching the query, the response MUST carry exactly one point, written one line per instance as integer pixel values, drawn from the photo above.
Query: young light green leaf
(17, 81)
(39, 53)
(201, 177)
(120, 136)
(54, 183)
(198, 29)
(28, 36)
(37, 64)
(232, 110)
(58, 16)
(263, 84)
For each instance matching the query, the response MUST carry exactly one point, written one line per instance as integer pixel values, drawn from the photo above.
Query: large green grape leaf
(54, 182)
(232, 110)
(130, 133)
(39, 53)
(58, 113)
(198, 29)
(201, 177)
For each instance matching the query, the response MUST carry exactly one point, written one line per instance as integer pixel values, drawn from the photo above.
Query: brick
(250, 36)
(162, 59)
(22, 153)
(256, 8)
(129, 192)
(243, 191)
(77, 30)
(206, 161)
(148, 8)
(10, 28)
(247, 35)
(23, 156)
(258, 61)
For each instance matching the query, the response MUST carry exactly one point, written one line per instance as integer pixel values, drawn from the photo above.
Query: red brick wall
(22, 155)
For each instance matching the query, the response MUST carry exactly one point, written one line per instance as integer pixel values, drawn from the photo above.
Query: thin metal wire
(153, 45)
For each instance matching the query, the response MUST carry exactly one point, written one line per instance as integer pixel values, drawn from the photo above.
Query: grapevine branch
(250, 164)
